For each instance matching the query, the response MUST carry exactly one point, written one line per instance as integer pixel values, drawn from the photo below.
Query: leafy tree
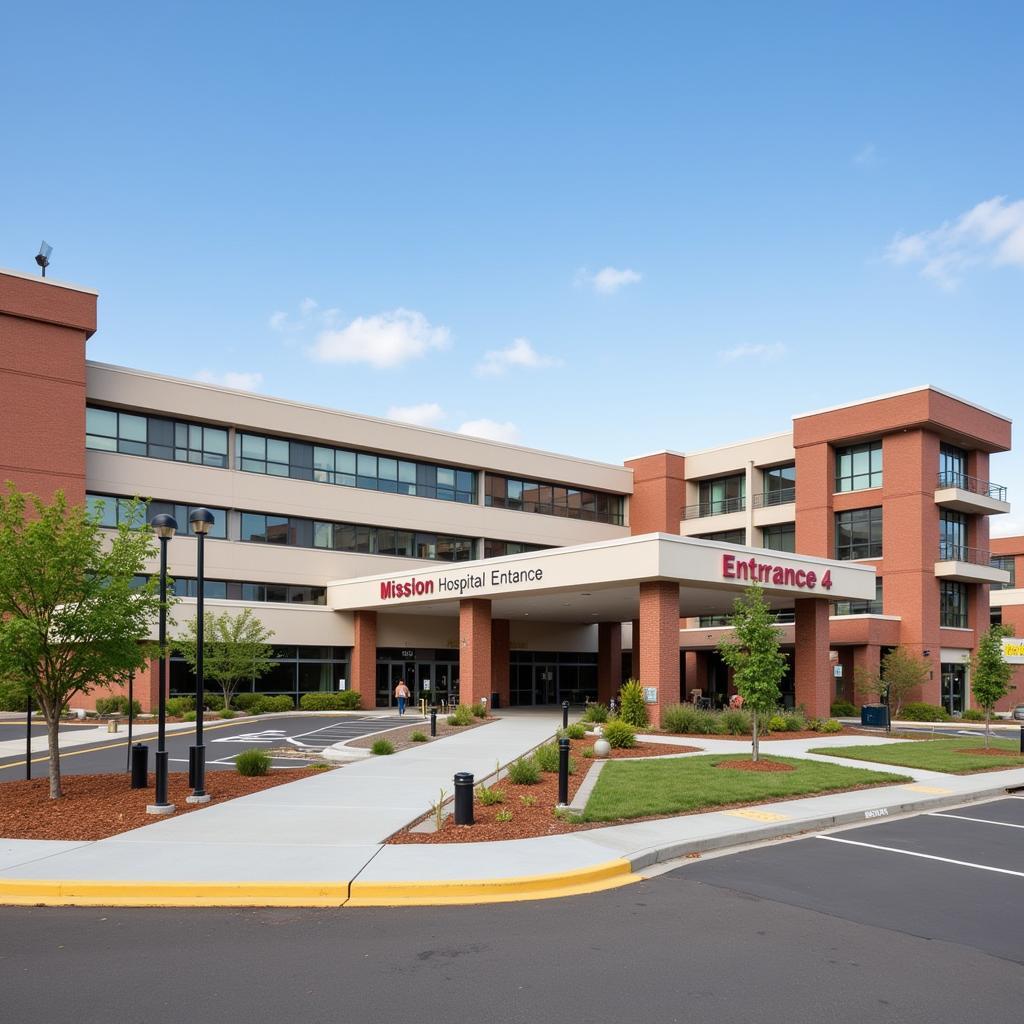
(235, 647)
(901, 674)
(752, 652)
(72, 617)
(990, 674)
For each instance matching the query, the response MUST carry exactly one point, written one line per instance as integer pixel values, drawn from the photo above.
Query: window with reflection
(111, 510)
(155, 437)
(859, 533)
(723, 494)
(551, 499)
(780, 537)
(859, 466)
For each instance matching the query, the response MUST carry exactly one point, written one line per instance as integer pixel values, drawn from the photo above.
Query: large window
(952, 604)
(109, 510)
(729, 536)
(781, 537)
(861, 607)
(1007, 564)
(952, 465)
(110, 430)
(859, 466)
(859, 533)
(497, 548)
(301, 460)
(552, 499)
(952, 536)
(723, 494)
(779, 485)
(236, 590)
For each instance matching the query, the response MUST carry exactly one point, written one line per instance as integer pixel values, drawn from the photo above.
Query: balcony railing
(972, 484)
(769, 499)
(949, 552)
(719, 507)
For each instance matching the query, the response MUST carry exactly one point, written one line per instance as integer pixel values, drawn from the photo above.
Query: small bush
(842, 709)
(633, 710)
(620, 734)
(343, 700)
(775, 723)
(461, 716)
(528, 800)
(587, 752)
(831, 726)
(12, 697)
(253, 762)
(524, 772)
(794, 721)
(382, 747)
(113, 706)
(547, 758)
(418, 737)
(596, 713)
(245, 701)
(918, 711)
(708, 722)
(478, 710)
(270, 705)
(736, 722)
(973, 715)
(227, 713)
(178, 706)
(213, 702)
(576, 731)
(489, 795)
(320, 766)
(503, 815)
(679, 718)
(188, 716)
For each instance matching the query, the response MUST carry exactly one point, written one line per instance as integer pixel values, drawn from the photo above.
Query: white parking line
(983, 821)
(924, 856)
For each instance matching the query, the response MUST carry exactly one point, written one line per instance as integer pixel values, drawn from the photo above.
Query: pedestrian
(403, 694)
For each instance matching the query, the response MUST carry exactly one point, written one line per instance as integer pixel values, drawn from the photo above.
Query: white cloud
(309, 315)
(383, 340)
(427, 414)
(491, 429)
(232, 379)
(757, 353)
(989, 234)
(866, 156)
(519, 354)
(607, 281)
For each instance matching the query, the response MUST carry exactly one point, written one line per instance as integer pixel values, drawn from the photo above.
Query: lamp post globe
(165, 527)
(200, 521)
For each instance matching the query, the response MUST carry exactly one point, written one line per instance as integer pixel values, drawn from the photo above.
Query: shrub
(679, 718)
(576, 731)
(253, 762)
(633, 710)
(843, 709)
(524, 772)
(918, 711)
(343, 700)
(794, 721)
(620, 734)
(213, 702)
(547, 758)
(831, 726)
(227, 713)
(736, 722)
(490, 795)
(587, 752)
(114, 706)
(973, 715)
(503, 815)
(596, 713)
(12, 698)
(188, 716)
(478, 710)
(246, 701)
(178, 706)
(320, 766)
(528, 800)
(708, 722)
(418, 737)
(382, 747)
(461, 716)
(776, 723)
(269, 705)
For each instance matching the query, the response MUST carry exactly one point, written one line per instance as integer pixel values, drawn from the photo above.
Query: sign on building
(1013, 650)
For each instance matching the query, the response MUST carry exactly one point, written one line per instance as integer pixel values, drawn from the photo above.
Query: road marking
(983, 821)
(928, 789)
(924, 856)
(758, 815)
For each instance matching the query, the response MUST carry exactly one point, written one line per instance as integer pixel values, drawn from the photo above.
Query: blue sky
(597, 228)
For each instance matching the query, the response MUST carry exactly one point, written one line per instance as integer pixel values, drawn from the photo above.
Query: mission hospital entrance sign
(458, 586)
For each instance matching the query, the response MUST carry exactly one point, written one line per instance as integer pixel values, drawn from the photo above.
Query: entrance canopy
(601, 582)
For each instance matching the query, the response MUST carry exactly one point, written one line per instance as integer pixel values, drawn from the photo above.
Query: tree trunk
(988, 726)
(52, 731)
(753, 724)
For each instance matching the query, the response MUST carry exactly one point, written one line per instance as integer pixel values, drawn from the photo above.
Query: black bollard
(463, 798)
(565, 714)
(433, 721)
(1022, 739)
(563, 771)
(140, 766)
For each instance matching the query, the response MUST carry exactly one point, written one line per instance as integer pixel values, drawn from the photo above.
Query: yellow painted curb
(607, 875)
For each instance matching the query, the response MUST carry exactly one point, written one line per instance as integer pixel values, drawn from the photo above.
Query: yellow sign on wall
(1013, 650)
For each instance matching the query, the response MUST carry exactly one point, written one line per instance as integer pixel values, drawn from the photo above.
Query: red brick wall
(659, 493)
(363, 669)
(659, 643)
(475, 650)
(812, 672)
(609, 660)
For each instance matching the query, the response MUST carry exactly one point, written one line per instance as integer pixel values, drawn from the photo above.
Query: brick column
(659, 643)
(500, 648)
(609, 660)
(363, 670)
(474, 650)
(812, 671)
(866, 658)
(634, 662)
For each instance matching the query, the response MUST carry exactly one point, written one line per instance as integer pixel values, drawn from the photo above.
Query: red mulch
(803, 734)
(756, 766)
(98, 806)
(992, 752)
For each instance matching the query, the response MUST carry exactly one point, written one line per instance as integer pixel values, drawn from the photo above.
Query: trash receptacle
(874, 716)
(140, 766)
(111, 725)
(495, 702)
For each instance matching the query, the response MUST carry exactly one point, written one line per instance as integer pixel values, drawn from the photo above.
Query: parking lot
(224, 741)
(953, 875)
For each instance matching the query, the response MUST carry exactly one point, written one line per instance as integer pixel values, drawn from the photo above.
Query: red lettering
(742, 571)
(812, 578)
(801, 578)
(729, 566)
(764, 572)
(778, 576)
(826, 580)
(790, 576)
(386, 590)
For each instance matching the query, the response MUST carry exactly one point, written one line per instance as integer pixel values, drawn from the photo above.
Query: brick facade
(659, 643)
(475, 634)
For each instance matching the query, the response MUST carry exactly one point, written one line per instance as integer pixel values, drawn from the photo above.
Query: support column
(634, 661)
(609, 660)
(866, 658)
(500, 650)
(812, 675)
(659, 643)
(474, 650)
(363, 669)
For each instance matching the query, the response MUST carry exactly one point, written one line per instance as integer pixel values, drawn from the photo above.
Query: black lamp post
(200, 519)
(165, 527)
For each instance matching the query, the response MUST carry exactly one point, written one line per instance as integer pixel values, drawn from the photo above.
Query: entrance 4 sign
(758, 571)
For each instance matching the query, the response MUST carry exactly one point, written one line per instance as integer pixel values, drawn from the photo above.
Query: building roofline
(898, 394)
(713, 448)
(50, 281)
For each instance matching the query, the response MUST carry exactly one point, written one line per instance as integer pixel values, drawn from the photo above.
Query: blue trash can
(874, 716)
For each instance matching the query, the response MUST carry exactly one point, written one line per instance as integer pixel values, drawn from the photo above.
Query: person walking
(402, 693)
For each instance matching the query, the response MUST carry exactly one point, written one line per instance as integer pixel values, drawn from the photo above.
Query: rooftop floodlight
(200, 519)
(43, 256)
(164, 526)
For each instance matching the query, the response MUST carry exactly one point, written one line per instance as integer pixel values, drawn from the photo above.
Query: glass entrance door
(954, 688)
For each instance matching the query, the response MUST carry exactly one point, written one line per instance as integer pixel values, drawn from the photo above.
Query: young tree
(72, 616)
(752, 652)
(990, 674)
(235, 647)
(901, 674)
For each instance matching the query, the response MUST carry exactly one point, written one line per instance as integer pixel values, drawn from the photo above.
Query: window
(952, 604)
(952, 536)
(723, 494)
(952, 465)
(552, 499)
(779, 485)
(859, 466)
(111, 510)
(781, 537)
(708, 621)
(995, 616)
(156, 437)
(301, 460)
(861, 607)
(859, 533)
(1008, 564)
(728, 536)
(498, 548)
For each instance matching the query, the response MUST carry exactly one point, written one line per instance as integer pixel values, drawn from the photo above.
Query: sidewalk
(318, 842)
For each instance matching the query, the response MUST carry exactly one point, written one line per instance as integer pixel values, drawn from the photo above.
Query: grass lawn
(943, 755)
(634, 789)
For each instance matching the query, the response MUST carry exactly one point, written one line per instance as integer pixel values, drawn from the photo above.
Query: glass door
(954, 688)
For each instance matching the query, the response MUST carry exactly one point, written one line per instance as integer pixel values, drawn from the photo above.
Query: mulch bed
(98, 806)
(401, 738)
(755, 766)
(803, 734)
(992, 752)
(529, 820)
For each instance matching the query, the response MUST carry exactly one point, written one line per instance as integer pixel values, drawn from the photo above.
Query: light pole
(200, 519)
(165, 527)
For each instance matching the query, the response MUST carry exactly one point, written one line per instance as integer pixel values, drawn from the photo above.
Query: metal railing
(950, 552)
(714, 508)
(769, 499)
(973, 484)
